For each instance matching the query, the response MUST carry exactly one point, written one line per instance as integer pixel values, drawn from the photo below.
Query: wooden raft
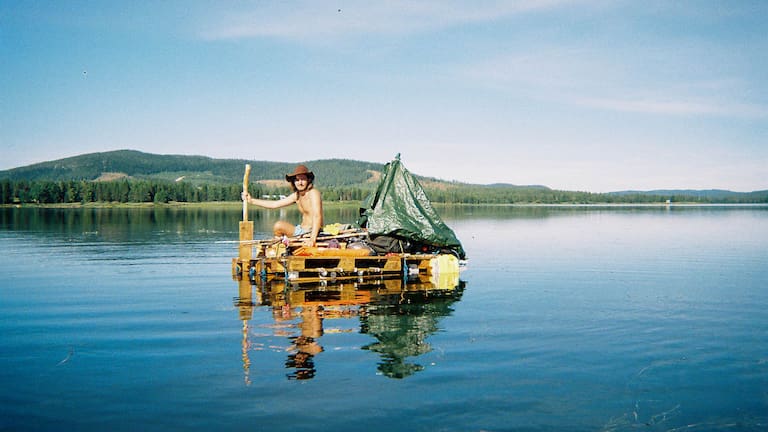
(325, 268)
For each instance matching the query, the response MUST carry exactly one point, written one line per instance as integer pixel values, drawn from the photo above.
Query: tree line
(154, 191)
(146, 191)
(478, 194)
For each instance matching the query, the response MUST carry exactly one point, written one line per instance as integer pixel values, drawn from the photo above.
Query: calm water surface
(578, 319)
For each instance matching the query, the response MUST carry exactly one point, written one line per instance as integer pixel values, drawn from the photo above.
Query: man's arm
(271, 204)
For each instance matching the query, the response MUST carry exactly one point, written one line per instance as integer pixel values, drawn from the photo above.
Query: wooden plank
(246, 249)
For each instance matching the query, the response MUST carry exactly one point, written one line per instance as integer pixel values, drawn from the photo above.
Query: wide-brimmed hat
(300, 169)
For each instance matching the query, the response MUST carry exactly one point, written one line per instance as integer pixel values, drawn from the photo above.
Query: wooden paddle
(245, 191)
(246, 227)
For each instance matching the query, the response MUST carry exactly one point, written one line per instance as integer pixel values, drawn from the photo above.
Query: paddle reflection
(398, 316)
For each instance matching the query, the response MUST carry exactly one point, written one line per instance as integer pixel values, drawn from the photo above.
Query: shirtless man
(306, 197)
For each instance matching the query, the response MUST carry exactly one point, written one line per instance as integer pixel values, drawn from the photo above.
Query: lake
(567, 319)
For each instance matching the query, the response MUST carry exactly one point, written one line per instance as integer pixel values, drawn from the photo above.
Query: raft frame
(329, 268)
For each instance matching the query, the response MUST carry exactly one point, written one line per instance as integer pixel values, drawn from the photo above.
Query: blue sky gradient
(591, 95)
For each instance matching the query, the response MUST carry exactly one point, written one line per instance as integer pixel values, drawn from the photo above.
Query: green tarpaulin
(399, 208)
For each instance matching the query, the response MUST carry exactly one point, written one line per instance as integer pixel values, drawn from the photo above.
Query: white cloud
(308, 20)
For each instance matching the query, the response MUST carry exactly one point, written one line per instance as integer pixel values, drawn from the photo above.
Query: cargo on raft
(398, 236)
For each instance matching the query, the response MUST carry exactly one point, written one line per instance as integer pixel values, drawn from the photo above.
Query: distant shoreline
(172, 204)
(342, 204)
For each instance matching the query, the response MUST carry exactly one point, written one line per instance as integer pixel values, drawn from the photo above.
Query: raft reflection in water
(399, 316)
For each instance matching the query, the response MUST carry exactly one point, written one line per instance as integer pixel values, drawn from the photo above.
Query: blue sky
(591, 95)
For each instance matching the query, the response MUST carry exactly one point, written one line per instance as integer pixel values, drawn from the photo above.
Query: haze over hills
(132, 164)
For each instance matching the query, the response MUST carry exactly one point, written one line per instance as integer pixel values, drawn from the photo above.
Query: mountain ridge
(140, 165)
(129, 165)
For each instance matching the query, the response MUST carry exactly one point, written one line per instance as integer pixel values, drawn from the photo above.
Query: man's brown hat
(300, 169)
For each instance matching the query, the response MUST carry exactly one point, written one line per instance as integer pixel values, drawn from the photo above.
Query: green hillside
(196, 169)
(133, 176)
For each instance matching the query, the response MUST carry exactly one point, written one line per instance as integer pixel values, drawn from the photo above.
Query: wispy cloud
(673, 107)
(306, 20)
(595, 79)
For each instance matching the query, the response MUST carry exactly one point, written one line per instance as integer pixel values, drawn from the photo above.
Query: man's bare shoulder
(314, 192)
(309, 195)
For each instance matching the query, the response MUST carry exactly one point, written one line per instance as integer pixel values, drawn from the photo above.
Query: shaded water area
(567, 318)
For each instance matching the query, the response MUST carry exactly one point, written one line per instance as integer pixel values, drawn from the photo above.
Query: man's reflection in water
(304, 347)
(400, 320)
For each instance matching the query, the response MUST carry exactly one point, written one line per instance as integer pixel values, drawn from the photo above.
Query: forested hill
(133, 176)
(133, 164)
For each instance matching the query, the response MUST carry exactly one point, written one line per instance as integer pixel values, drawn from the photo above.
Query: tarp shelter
(399, 208)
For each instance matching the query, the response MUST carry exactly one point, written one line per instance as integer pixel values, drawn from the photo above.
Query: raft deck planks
(323, 268)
